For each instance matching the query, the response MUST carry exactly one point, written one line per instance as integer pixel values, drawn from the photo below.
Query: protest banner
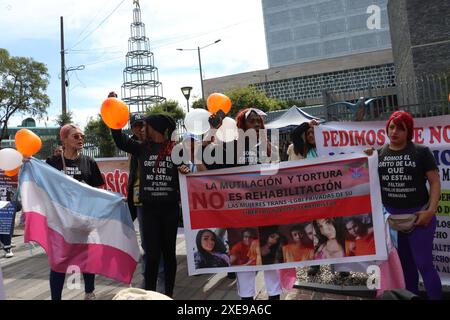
(434, 132)
(115, 173)
(8, 190)
(300, 216)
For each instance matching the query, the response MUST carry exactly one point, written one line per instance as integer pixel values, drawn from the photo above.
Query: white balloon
(228, 131)
(196, 121)
(10, 159)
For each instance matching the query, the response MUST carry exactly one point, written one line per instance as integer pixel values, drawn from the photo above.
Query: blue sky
(31, 28)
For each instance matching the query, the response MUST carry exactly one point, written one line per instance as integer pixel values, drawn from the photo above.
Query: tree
(168, 107)
(199, 103)
(246, 97)
(63, 119)
(98, 136)
(23, 85)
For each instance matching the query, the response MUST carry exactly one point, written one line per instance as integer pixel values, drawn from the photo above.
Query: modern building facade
(299, 31)
(310, 81)
(421, 47)
(318, 49)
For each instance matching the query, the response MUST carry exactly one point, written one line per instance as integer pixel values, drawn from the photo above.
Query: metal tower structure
(141, 86)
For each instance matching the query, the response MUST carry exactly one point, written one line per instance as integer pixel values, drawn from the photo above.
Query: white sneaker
(89, 296)
(9, 254)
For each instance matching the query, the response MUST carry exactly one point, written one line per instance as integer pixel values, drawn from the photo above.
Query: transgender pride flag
(76, 224)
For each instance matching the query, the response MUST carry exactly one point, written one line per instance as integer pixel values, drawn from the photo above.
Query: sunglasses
(77, 136)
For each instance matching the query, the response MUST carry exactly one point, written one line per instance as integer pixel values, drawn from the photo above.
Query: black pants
(57, 283)
(160, 220)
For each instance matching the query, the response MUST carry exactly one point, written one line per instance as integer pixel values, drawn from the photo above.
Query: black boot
(247, 298)
(277, 297)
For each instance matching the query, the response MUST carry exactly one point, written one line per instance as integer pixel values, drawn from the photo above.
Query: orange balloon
(27, 142)
(12, 173)
(114, 113)
(217, 101)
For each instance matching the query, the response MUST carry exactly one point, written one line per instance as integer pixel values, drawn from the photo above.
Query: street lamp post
(187, 93)
(200, 62)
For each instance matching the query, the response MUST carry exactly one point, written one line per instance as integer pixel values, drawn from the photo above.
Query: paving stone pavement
(26, 278)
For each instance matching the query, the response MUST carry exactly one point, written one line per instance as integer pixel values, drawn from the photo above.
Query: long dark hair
(275, 254)
(338, 227)
(208, 259)
(298, 137)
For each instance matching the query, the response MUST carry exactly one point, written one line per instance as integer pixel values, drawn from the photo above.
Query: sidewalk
(26, 278)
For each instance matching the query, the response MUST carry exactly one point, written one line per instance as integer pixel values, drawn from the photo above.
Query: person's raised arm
(125, 143)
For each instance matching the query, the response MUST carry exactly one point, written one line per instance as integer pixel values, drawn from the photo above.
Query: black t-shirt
(403, 175)
(157, 182)
(83, 169)
(235, 156)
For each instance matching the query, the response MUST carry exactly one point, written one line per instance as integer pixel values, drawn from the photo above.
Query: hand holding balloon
(114, 113)
(217, 101)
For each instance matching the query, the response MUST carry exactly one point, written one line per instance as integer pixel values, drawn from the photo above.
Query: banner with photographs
(308, 212)
(434, 132)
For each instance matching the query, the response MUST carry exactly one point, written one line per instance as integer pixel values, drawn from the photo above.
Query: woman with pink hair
(404, 169)
(83, 169)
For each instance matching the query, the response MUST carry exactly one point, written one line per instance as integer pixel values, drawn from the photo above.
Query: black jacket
(158, 183)
(131, 179)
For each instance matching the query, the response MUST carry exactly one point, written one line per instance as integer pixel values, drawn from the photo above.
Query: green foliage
(23, 85)
(247, 97)
(199, 103)
(63, 119)
(169, 107)
(98, 135)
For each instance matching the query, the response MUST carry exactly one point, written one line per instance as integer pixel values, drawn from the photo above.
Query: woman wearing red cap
(404, 169)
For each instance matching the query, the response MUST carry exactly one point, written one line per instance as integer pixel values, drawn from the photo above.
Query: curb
(354, 291)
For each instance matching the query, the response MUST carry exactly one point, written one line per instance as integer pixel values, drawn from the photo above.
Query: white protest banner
(434, 132)
(241, 219)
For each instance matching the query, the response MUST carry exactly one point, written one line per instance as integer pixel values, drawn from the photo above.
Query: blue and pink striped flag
(76, 224)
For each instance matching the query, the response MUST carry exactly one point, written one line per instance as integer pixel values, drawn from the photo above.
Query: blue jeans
(161, 279)
(57, 283)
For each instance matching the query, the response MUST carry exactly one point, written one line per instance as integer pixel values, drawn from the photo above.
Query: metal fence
(424, 96)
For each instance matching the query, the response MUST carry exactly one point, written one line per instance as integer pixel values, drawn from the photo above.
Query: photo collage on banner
(311, 214)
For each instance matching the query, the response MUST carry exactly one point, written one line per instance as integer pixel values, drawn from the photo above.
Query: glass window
(332, 27)
(282, 55)
(280, 36)
(335, 46)
(330, 8)
(278, 18)
(306, 32)
(307, 51)
(364, 41)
